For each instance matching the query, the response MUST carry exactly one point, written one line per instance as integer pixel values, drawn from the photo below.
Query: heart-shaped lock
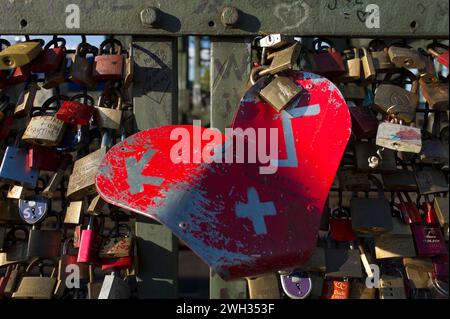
(33, 210)
(296, 285)
(243, 218)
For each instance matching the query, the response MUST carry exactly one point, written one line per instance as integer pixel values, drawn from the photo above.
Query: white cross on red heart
(207, 205)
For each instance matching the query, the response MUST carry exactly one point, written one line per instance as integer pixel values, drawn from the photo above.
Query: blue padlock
(33, 210)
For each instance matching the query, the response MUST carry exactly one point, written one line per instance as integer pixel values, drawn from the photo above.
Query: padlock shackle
(112, 42)
(340, 213)
(65, 246)
(117, 228)
(87, 99)
(378, 185)
(400, 44)
(106, 139)
(11, 235)
(377, 45)
(55, 42)
(46, 105)
(110, 93)
(84, 48)
(323, 45)
(351, 53)
(254, 74)
(91, 274)
(40, 262)
(435, 45)
(91, 222)
(400, 197)
(4, 43)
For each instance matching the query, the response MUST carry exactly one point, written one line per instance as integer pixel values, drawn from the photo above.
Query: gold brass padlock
(352, 63)
(19, 54)
(394, 100)
(280, 92)
(16, 192)
(45, 129)
(109, 117)
(441, 207)
(282, 60)
(26, 100)
(74, 213)
(435, 93)
(380, 57)
(417, 279)
(428, 73)
(31, 287)
(394, 246)
(370, 72)
(82, 179)
(96, 206)
(264, 287)
(405, 58)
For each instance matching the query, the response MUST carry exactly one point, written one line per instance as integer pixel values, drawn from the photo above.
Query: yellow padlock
(19, 54)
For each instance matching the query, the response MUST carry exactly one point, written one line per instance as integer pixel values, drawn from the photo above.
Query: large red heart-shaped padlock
(257, 212)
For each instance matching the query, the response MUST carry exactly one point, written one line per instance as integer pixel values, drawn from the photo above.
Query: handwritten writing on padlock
(44, 130)
(33, 211)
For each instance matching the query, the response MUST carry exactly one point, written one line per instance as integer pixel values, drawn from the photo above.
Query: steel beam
(230, 73)
(155, 99)
(155, 83)
(405, 18)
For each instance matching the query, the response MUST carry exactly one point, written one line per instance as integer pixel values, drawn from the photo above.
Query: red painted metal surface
(239, 221)
(75, 113)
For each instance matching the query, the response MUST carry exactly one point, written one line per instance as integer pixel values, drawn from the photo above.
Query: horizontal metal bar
(352, 18)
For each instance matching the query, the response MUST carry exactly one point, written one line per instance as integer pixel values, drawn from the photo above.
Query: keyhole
(8, 61)
(408, 62)
(298, 287)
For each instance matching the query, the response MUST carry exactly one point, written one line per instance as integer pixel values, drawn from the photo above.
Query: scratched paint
(238, 221)
(292, 15)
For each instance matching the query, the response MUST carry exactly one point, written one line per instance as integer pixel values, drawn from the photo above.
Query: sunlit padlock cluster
(51, 220)
(384, 231)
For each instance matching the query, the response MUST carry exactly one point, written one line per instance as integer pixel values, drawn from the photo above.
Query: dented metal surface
(239, 221)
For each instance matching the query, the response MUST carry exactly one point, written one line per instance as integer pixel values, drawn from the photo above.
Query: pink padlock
(89, 244)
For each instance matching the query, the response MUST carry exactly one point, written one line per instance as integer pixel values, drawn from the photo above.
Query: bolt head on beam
(149, 17)
(230, 16)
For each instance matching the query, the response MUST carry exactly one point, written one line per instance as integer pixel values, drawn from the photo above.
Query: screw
(230, 16)
(149, 17)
